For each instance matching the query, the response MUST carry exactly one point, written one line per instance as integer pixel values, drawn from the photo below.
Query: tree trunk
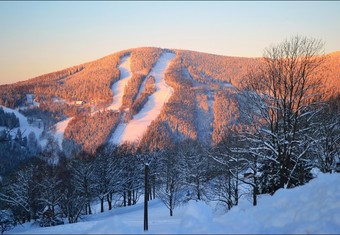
(255, 189)
(90, 211)
(154, 187)
(236, 190)
(109, 200)
(229, 192)
(171, 198)
(254, 196)
(198, 190)
(129, 198)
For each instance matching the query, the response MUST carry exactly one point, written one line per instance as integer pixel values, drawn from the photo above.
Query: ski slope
(60, 128)
(135, 128)
(118, 92)
(25, 127)
(309, 209)
(119, 86)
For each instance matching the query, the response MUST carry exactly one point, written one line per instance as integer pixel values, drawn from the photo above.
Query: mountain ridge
(202, 106)
(333, 53)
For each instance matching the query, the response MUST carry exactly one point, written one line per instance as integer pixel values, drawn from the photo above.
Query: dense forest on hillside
(91, 131)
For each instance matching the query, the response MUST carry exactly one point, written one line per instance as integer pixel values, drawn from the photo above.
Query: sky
(40, 37)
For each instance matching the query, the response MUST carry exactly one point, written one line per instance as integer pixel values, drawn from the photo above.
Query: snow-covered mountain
(225, 136)
(308, 209)
(157, 95)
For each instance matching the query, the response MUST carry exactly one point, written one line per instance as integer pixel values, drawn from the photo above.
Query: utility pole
(146, 159)
(146, 196)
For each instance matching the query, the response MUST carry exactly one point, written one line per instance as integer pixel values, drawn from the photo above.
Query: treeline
(14, 95)
(90, 82)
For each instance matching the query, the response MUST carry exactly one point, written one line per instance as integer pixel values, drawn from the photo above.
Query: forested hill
(170, 124)
(76, 104)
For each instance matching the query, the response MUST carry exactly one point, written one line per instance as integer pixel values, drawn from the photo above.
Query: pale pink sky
(41, 37)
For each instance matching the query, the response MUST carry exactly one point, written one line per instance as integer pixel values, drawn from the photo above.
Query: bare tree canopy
(285, 95)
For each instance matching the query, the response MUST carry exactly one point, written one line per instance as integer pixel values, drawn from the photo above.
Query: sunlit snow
(134, 129)
(118, 91)
(60, 128)
(119, 86)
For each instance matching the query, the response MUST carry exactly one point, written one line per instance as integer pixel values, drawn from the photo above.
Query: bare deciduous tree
(283, 97)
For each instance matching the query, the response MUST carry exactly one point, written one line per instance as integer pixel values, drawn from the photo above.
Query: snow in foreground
(313, 208)
(138, 125)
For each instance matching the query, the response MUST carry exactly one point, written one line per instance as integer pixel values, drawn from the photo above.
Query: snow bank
(140, 122)
(195, 215)
(313, 208)
(119, 86)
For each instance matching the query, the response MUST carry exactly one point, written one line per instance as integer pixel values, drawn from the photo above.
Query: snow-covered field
(25, 127)
(137, 126)
(309, 209)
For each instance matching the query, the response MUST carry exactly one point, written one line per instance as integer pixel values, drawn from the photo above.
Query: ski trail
(119, 86)
(118, 134)
(60, 128)
(118, 92)
(131, 131)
